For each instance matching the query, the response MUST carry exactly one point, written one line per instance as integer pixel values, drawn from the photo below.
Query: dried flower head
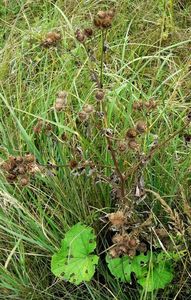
(133, 145)
(131, 133)
(51, 39)
(62, 94)
(104, 19)
(73, 164)
(64, 137)
(20, 167)
(142, 247)
(99, 94)
(83, 116)
(88, 32)
(141, 127)
(122, 146)
(80, 36)
(117, 219)
(24, 181)
(38, 128)
(124, 244)
(88, 108)
(29, 158)
(60, 104)
(138, 105)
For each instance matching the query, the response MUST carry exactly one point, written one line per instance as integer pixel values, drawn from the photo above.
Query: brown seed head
(62, 94)
(88, 32)
(131, 252)
(122, 146)
(133, 243)
(29, 158)
(21, 169)
(97, 22)
(106, 23)
(142, 247)
(131, 133)
(152, 104)
(101, 14)
(73, 164)
(138, 105)
(53, 36)
(83, 116)
(111, 13)
(11, 177)
(80, 36)
(117, 219)
(38, 127)
(141, 127)
(88, 108)
(133, 145)
(60, 104)
(19, 159)
(100, 95)
(24, 181)
(117, 239)
(64, 137)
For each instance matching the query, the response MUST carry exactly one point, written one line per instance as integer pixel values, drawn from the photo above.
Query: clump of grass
(146, 58)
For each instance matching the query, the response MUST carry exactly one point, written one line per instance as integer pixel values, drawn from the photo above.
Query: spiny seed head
(48, 127)
(100, 94)
(88, 32)
(64, 137)
(38, 127)
(29, 158)
(147, 105)
(62, 94)
(138, 105)
(142, 247)
(104, 19)
(60, 103)
(53, 36)
(24, 181)
(132, 144)
(117, 219)
(131, 252)
(73, 164)
(111, 13)
(83, 116)
(21, 170)
(106, 23)
(80, 36)
(133, 242)
(152, 104)
(88, 108)
(7, 166)
(51, 39)
(11, 177)
(122, 146)
(97, 22)
(141, 127)
(19, 159)
(101, 14)
(131, 133)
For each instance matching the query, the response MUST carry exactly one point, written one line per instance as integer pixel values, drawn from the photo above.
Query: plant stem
(102, 57)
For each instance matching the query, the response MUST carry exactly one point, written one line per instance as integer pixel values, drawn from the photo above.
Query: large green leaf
(74, 262)
(158, 277)
(153, 271)
(122, 267)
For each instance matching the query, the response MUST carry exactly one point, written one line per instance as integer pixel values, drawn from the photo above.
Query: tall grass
(148, 56)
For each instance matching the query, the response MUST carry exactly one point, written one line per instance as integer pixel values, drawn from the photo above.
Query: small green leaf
(74, 262)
